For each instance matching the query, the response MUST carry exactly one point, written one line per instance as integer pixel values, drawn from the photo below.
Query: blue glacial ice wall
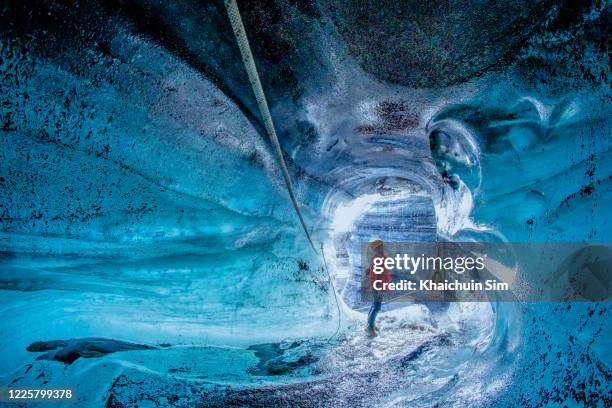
(141, 203)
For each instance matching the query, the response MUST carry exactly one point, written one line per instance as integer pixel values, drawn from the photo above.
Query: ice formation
(143, 216)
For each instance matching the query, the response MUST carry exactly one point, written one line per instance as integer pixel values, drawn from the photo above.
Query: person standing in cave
(377, 249)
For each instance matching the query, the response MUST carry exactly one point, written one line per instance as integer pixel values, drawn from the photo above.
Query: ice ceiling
(143, 216)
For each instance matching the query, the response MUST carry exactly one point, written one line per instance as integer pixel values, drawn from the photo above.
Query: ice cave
(150, 255)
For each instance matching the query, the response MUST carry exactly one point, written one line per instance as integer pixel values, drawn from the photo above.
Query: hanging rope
(251, 69)
(262, 104)
(333, 288)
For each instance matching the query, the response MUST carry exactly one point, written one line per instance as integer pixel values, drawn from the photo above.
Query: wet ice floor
(354, 368)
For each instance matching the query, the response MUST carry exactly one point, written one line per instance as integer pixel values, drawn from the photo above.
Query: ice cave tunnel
(150, 256)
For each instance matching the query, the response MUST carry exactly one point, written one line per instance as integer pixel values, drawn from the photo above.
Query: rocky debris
(68, 351)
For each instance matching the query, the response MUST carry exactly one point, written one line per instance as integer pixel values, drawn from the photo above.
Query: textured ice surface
(140, 203)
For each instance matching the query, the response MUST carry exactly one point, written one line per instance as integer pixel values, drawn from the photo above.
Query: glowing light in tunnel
(347, 213)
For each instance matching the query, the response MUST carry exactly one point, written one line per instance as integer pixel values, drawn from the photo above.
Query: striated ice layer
(140, 203)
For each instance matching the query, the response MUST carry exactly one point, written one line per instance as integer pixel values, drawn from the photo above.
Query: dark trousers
(374, 309)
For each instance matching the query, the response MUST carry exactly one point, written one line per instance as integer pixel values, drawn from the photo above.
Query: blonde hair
(374, 245)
